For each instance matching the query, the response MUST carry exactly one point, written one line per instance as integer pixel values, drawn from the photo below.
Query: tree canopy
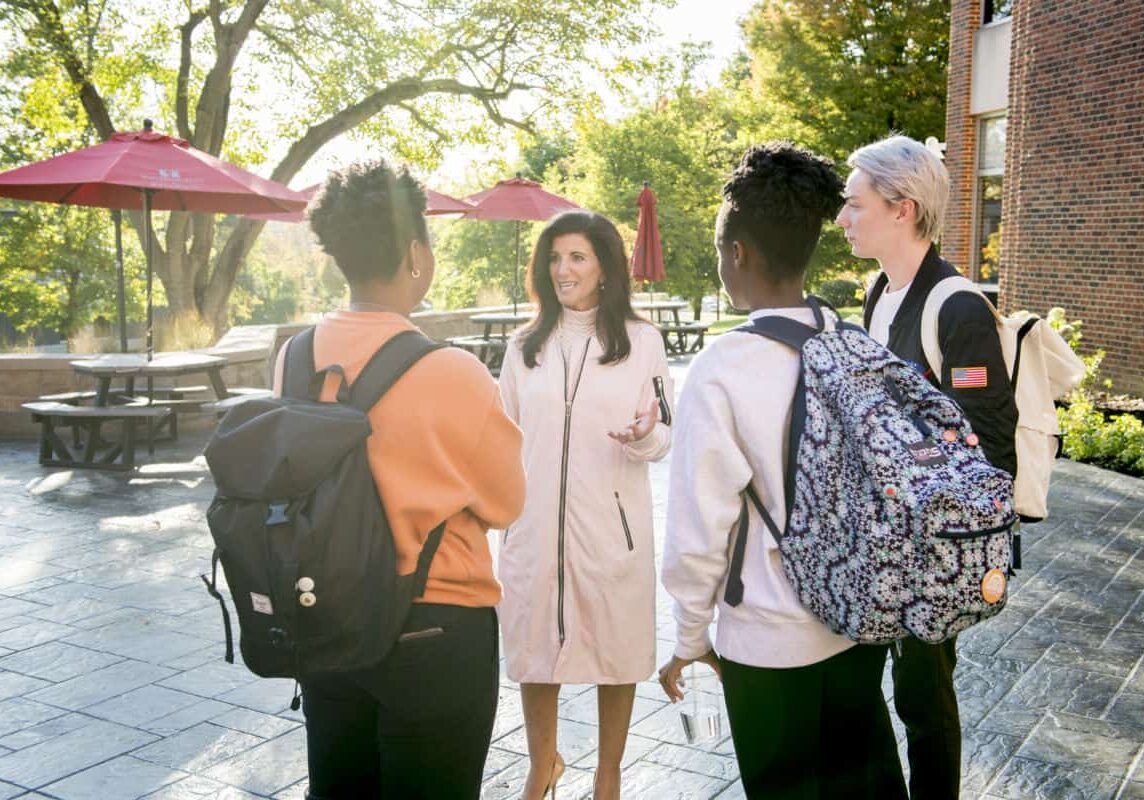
(413, 76)
(268, 85)
(838, 74)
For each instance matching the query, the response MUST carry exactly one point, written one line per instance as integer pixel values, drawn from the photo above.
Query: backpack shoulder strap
(388, 364)
(733, 593)
(792, 333)
(873, 292)
(942, 291)
(298, 365)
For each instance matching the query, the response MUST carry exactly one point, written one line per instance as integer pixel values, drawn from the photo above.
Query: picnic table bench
(237, 397)
(96, 452)
(489, 350)
(684, 337)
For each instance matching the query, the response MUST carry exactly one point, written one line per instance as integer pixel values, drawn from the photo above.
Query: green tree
(59, 268)
(413, 76)
(475, 256)
(838, 74)
(684, 146)
(833, 75)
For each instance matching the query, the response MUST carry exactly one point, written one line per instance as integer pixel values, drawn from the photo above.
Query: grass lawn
(728, 322)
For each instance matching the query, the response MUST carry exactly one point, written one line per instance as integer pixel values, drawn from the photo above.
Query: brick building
(1045, 149)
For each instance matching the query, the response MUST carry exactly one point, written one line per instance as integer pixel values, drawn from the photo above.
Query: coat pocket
(624, 522)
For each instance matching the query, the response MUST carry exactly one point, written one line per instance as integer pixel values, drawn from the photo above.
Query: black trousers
(926, 703)
(418, 726)
(815, 732)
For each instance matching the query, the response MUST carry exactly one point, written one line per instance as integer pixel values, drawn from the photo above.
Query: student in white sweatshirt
(807, 714)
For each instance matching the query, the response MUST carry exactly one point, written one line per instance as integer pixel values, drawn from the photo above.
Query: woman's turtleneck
(576, 328)
(578, 323)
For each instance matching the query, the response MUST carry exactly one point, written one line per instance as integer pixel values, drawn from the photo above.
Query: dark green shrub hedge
(838, 292)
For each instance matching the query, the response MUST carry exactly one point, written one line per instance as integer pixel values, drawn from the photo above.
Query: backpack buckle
(277, 514)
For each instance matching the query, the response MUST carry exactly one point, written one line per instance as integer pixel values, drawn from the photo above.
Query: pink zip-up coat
(578, 566)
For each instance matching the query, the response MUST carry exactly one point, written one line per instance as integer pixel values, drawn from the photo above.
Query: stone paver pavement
(112, 683)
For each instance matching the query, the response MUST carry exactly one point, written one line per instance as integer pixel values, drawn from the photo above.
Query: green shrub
(1117, 442)
(839, 292)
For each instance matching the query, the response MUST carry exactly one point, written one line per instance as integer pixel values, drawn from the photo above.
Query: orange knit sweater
(441, 448)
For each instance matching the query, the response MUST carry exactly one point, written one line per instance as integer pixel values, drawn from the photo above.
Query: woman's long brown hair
(615, 307)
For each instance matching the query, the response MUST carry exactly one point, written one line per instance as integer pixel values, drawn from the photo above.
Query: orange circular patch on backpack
(993, 585)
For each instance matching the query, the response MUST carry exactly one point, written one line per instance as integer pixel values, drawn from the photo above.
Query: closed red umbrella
(146, 170)
(647, 255)
(437, 204)
(517, 199)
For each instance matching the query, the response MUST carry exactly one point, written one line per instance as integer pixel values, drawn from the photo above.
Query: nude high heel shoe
(557, 771)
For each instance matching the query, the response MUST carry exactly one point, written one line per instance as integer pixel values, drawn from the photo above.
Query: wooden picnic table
(506, 321)
(490, 345)
(658, 309)
(679, 337)
(489, 350)
(132, 366)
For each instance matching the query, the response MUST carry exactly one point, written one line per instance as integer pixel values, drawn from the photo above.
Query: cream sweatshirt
(731, 428)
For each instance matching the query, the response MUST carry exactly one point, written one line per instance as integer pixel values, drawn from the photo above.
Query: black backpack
(299, 527)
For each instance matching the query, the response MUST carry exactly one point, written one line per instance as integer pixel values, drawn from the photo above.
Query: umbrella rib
(74, 188)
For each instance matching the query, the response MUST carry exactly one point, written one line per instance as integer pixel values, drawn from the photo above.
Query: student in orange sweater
(419, 724)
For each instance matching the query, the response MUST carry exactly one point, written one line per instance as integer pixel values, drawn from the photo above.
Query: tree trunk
(214, 304)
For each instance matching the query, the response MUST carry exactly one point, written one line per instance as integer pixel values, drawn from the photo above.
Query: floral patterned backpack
(896, 523)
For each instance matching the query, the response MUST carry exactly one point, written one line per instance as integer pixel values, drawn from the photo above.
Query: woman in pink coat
(578, 566)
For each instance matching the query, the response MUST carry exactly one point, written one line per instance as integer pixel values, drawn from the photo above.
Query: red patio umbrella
(147, 170)
(647, 255)
(439, 204)
(517, 199)
(436, 204)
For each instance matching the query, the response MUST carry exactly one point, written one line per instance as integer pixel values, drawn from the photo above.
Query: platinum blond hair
(900, 168)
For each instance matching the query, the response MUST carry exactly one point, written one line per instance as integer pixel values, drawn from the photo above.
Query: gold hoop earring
(416, 273)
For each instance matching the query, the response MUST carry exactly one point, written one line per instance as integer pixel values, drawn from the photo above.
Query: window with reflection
(995, 10)
(990, 183)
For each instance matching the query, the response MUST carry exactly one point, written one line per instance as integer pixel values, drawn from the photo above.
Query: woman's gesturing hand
(671, 673)
(640, 426)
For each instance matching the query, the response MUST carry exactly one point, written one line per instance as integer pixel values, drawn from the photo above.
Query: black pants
(927, 705)
(419, 725)
(814, 732)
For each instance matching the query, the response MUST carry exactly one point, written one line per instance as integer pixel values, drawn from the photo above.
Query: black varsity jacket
(967, 335)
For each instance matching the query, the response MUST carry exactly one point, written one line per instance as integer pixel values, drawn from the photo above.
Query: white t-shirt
(884, 312)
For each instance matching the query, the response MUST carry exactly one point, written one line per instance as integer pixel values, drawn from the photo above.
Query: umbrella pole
(516, 270)
(117, 219)
(147, 252)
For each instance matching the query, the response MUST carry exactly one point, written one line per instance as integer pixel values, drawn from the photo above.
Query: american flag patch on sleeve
(968, 377)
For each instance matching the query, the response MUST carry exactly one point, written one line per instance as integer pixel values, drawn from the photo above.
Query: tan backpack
(1042, 368)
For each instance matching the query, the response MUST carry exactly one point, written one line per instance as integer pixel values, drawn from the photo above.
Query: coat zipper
(564, 485)
(624, 521)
